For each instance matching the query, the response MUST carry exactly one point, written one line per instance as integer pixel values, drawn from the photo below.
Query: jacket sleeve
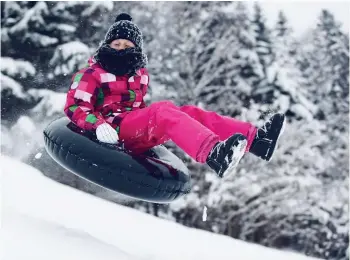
(145, 83)
(81, 99)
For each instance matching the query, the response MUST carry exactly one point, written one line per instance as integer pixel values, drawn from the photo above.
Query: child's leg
(143, 129)
(223, 126)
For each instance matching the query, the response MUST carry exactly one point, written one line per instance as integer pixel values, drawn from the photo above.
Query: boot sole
(274, 144)
(237, 155)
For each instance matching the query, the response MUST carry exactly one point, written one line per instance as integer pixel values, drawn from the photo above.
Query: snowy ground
(42, 219)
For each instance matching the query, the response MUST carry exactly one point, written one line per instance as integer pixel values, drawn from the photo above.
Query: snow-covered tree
(208, 55)
(282, 27)
(286, 204)
(232, 66)
(286, 89)
(14, 99)
(262, 35)
(263, 90)
(325, 61)
(171, 66)
(40, 48)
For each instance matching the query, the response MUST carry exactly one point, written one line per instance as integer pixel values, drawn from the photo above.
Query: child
(107, 97)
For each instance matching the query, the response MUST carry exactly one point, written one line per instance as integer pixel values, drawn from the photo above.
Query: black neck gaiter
(120, 62)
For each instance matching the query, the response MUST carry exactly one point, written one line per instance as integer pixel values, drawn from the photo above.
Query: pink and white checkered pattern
(95, 91)
(107, 77)
(85, 96)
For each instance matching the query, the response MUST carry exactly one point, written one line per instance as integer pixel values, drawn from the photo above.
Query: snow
(286, 77)
(66, 27)
(191, 199)
(69, 56)
(24, 126)
(4, 35)
(9, 83)
(51, 102)
(41, 40)
(28, 234)
(204, 216)
(34, 13)
(24, 137)
(15, 68)
(5, 140)
(38, 155)
(272, 71)
(105, 5)
(43, 219)
(283, 102)
(170, 157)
(301, 111)
(69, 49)
(21, 139)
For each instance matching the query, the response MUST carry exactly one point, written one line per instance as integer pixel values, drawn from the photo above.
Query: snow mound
(55, 221)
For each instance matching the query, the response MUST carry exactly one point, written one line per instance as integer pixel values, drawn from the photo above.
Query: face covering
(121, 62)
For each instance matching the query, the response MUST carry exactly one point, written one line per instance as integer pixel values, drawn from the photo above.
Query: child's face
(121, 44)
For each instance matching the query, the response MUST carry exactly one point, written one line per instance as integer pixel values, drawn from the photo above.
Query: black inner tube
(155, 176)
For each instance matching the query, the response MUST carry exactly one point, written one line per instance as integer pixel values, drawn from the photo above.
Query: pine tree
(285, 205)
(173, 66)
(41, 41)
(210, 55)
(263, 37)
(336, 45)
(287, 88)
(262, 89)
(282, 28)
(325, 59)
(16, 71)
(284, 35)
(242, 68)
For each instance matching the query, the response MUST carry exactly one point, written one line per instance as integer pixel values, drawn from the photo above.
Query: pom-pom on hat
(124, 28)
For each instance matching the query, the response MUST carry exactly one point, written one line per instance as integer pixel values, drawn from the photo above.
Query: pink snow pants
(194, 130)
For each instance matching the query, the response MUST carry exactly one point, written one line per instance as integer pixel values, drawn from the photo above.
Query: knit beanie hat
(123, 28)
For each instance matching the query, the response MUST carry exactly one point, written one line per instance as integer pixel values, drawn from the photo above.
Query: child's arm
(145, 86)
(81, 99)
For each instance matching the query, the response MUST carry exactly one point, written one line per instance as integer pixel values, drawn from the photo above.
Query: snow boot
(267, 136)
(225, 155)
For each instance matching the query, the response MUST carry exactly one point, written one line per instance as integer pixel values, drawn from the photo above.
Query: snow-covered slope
(27, 238)
(42, 219)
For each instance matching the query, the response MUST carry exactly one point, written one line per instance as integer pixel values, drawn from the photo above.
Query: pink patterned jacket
(96, 96)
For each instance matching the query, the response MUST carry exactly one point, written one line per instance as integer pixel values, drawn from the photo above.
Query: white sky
(303, 14)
